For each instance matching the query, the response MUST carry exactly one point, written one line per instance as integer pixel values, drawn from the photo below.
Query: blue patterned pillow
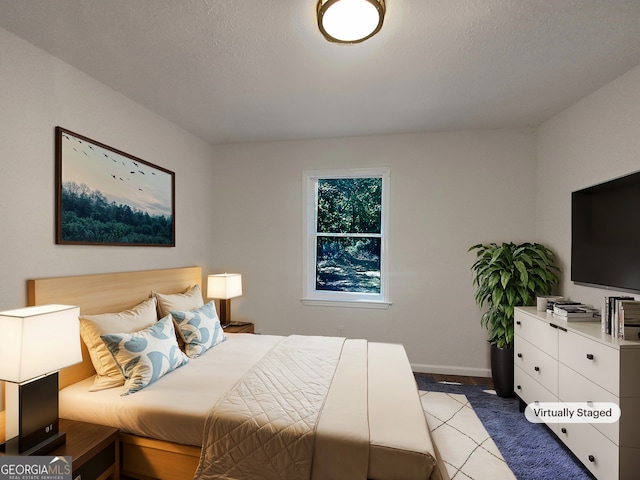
(200, 329)
(146, 355)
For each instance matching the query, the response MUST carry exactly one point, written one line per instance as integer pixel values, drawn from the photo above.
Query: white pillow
(200, 329)
(93, 326)
(147, 355)
(189, 300)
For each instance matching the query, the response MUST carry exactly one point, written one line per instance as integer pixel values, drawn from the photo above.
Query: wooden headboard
(107, 293)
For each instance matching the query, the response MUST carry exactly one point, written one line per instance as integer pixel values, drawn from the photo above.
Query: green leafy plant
(510, 275)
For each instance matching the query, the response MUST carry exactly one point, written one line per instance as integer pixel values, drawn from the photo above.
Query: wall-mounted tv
(605, 234)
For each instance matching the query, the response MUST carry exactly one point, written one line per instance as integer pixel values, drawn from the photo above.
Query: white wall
(448, 191)
(239, 209)
(39, 92)
(595, 140)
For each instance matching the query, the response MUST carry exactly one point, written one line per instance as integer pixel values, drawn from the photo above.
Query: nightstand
(239, 328)
(94, 449)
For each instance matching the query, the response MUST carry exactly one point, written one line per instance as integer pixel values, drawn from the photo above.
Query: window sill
(317, 302)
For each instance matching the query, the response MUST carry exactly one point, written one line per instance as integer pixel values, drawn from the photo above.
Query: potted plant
(508, 275)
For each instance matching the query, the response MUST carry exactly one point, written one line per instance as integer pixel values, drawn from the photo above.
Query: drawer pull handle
(537, 369)
(519, 387)
(552, 325)
(518, 322)
(592, 458)
(589, 356)
(563, 430)
(519, 355)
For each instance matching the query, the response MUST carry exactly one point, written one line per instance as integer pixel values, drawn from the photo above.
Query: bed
(368, 421)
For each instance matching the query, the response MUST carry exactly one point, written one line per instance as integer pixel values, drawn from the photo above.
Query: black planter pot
(502, 370)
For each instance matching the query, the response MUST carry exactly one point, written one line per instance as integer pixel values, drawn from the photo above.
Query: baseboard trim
(451, 370)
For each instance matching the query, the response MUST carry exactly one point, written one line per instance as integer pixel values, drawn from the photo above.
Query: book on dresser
(552, 304)
(629, 319)
(579, 312)
(610, 314)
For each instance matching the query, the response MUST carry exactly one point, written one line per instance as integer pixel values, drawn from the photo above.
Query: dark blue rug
(531, 450)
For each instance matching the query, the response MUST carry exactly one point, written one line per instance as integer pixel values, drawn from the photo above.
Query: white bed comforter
(360, 431)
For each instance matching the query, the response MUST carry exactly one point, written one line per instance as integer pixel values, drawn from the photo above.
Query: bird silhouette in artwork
(135, 163)
(153, 173)
(121, 179)
(140, 189)
(113, 175)
(133, 172)
(141, 172)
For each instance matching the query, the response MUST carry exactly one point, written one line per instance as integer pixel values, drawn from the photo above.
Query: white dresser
(560, 361)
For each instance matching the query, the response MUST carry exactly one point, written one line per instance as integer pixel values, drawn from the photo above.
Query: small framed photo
(108, 197)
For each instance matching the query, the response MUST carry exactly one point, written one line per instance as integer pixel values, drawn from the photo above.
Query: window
(345, 237)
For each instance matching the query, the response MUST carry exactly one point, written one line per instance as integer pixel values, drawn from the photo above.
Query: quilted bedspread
(265, 426)
(321, 408)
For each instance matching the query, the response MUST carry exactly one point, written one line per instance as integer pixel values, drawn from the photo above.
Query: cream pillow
(189, 300)
(92, 327)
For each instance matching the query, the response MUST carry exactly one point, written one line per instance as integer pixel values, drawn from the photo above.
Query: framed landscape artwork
(107, 197)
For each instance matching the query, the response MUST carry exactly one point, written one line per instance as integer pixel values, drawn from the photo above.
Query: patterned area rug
(531, 450)
(464, 444)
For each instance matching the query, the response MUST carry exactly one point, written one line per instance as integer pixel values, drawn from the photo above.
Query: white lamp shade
(224, 286)
(35, 341)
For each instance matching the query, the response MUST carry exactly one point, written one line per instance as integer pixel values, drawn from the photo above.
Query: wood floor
(465, 380)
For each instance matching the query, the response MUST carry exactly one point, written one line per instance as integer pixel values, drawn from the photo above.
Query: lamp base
(32, 414)
(11, 446)
(225, 311)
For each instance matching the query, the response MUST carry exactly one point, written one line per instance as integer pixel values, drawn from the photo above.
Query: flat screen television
(605, 234)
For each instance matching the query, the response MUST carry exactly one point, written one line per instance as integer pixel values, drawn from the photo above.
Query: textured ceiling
(253, 70)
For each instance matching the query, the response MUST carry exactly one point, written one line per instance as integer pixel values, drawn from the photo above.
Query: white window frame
(311, 296)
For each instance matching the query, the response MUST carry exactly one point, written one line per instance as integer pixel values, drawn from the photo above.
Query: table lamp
(35, 342)
(224, 286)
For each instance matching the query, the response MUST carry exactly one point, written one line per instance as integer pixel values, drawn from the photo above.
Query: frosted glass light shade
(35, 341)
(350, 21)
(224, 286)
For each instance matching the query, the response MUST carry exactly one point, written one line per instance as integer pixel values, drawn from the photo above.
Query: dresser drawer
(531, 391)
(575, 388)
(599, 363)
(539, 365)
(593, 449)
(537, 332)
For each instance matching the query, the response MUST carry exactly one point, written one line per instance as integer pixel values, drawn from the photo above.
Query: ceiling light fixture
(350, 21)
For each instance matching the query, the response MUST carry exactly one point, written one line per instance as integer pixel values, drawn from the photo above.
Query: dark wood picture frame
(107, 197)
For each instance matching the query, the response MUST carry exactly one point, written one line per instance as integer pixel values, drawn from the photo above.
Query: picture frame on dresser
(105, 196)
